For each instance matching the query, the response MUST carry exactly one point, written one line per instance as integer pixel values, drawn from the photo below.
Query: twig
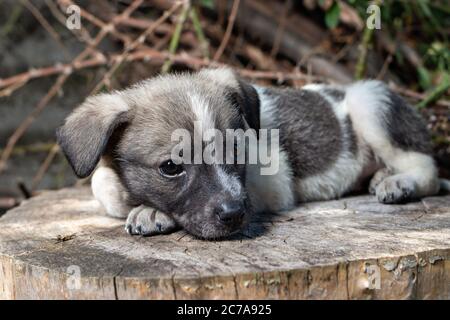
(8, 91)
(144, 24)
(45, 24)
(176, 36)
(18, 133)
(280, 76)
(8, 202)
(44, 167)
(21, 129)
(281, 26)
(13, 17)
(31, 148)
(385, 67)
(55, 148)
(126, 21)
(144, 53)
(342, 52)
(157, 57)
(416, 95)
(292, 45)
(258, 57)
(204, 44)
(360, 67)
(436, 93)
(24, 190)
(134, 45)
(350, 16)
(99, 23)
(363, 49)
(106, 78)
(161, 43)
(15, 82)
(226, 38)
(82, 34)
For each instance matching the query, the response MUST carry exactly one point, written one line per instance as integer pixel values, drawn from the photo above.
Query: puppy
(331, 140)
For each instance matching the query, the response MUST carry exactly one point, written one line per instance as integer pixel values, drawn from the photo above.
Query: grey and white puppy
(332, 140)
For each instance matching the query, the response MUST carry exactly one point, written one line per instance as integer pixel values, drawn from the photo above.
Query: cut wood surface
(60, 245)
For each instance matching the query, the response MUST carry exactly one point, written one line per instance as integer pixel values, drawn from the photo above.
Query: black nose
(230, 212)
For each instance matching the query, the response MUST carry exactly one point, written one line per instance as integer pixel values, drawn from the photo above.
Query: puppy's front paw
(147, 221)
(377, 178)
(396, 189)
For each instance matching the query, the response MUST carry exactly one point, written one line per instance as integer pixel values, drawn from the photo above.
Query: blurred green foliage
(206, 3)
(425, 24)
(332, 15)
(428, 22)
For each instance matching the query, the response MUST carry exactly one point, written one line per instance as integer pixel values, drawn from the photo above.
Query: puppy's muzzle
(230, 213)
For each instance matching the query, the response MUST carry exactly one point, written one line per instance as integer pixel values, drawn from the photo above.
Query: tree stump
(60, 245)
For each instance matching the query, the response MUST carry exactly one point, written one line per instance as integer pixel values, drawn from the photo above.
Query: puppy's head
(133, 130)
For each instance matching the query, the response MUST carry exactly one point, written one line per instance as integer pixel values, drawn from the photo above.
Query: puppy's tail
(445, 186)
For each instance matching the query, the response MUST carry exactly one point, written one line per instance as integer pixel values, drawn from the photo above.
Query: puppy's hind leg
(399, 139)
(390, 187)
(416, 177)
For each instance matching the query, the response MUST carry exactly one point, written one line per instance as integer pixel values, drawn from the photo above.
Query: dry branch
(263, 26)
(176, 35)
(226, 38)
(106, 78)
(18, 133)
(45, 24)
(44, 167)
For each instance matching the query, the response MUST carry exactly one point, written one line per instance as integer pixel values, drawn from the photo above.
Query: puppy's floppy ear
(85, 133)
(242, 93)
(248, 101)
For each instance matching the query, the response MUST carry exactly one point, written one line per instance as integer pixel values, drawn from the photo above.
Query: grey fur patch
(310, 133)
(351, 136)
(336, 94)
(406, 129)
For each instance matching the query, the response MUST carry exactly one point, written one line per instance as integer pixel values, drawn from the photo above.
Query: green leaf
(436, 93)
(424, 78)
(332, 16)
(207, 3)
(425, 8)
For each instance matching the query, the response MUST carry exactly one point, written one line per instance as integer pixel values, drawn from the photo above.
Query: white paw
(147, 221)
(377, 178)
(396, 189)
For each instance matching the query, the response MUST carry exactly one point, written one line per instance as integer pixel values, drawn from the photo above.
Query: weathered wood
(319, 251)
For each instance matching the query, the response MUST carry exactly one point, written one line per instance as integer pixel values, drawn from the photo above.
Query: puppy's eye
(170, 169)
